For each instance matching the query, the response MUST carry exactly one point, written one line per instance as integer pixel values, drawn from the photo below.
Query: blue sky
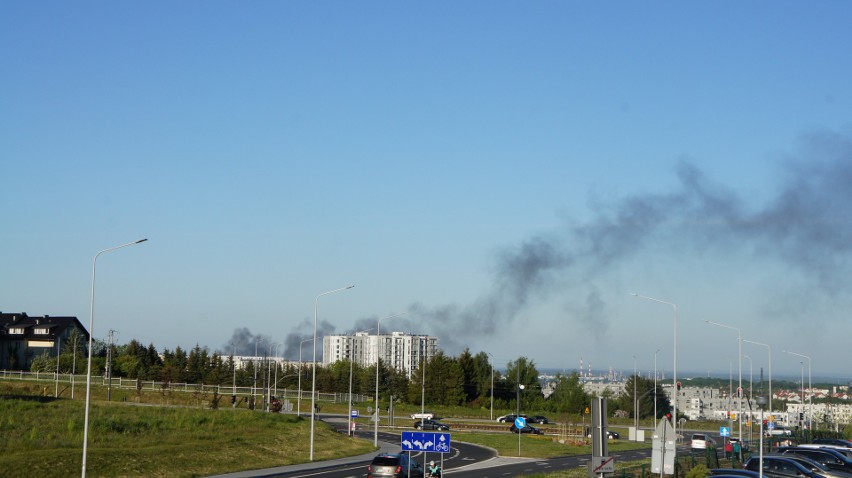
(505, 173)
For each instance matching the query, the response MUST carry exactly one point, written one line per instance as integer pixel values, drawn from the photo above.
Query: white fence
(150, 385)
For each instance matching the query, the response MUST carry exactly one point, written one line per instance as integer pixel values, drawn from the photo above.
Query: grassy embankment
(43, 436)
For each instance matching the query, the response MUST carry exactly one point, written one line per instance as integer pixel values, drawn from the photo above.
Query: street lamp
(314, 365)
(674, 371)
(91, 333)
(769, 350)
(810, 389)
(299, 400)
(740, 386)
(378, 359)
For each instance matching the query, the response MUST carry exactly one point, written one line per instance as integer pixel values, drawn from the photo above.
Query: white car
(779, 431)
(423, 416)
(700, 441)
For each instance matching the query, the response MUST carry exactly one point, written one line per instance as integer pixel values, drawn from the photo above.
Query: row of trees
(465, 380)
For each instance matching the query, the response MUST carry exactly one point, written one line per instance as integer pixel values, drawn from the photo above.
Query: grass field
(42, 436)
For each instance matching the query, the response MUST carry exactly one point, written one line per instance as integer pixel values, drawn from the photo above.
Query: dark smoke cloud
(245, 342)
(807, 224)
(304, 332)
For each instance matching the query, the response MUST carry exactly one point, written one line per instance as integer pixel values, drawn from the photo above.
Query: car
(612, 435)
(818, 467)
(833, 441)
(511, 418)
(430, 425)
(777, 466)
(847, 452)
(831, 458)
(394, 466)
(779, 431)
(702, 441)
(423, 416)
(734, 472)
(527, 429)
(540, 419)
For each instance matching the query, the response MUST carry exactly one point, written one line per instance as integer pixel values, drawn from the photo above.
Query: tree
(569, 395)
(523, 372)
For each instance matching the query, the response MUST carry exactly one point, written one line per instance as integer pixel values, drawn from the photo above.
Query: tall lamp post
(314, 366)
(810, 390)
(740, 386)
(378, 359)
(674, 368)
(769, 350)
(91, 333)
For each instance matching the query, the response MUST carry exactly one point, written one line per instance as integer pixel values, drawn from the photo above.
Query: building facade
(399, 350)
(23, 338)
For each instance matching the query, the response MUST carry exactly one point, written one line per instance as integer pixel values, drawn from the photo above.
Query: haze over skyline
(505, 174)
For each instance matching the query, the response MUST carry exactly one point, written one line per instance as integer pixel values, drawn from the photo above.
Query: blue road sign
(355, 414)
(724, 431)
(425, 441)
(520, 423)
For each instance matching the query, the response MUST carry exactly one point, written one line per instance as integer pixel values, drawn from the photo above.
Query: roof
(56, 325)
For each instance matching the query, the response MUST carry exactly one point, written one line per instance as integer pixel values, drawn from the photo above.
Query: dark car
(510, 418)
(831, 458)
(430, 425)
(527, 429)
(777, 466)
(394, 466)
(540, 419)
(734, 472)
(818, 467)
(610, 435)
(833, 441)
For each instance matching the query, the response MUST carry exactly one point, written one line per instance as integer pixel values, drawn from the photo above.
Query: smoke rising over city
(805, 223)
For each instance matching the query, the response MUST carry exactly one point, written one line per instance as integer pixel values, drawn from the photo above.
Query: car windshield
(386, 460)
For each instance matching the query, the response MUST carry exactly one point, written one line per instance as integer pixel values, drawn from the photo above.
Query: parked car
(847, 452)
(734, 472)
(831, 458)
(394, 466)
(818, 467)
(833, 441)
(702, 441)
(540, 419)
(423, 416)
(777, 466)
(527, 429)
(430, 425)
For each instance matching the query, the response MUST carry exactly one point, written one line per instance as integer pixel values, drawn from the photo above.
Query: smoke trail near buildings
(806, 224)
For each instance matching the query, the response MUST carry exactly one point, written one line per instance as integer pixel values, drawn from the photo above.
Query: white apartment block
(399, 350)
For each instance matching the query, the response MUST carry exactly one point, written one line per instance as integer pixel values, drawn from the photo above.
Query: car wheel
(419, 427)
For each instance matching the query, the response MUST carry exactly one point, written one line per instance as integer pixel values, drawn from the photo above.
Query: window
(16, 330)
(41, 331)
